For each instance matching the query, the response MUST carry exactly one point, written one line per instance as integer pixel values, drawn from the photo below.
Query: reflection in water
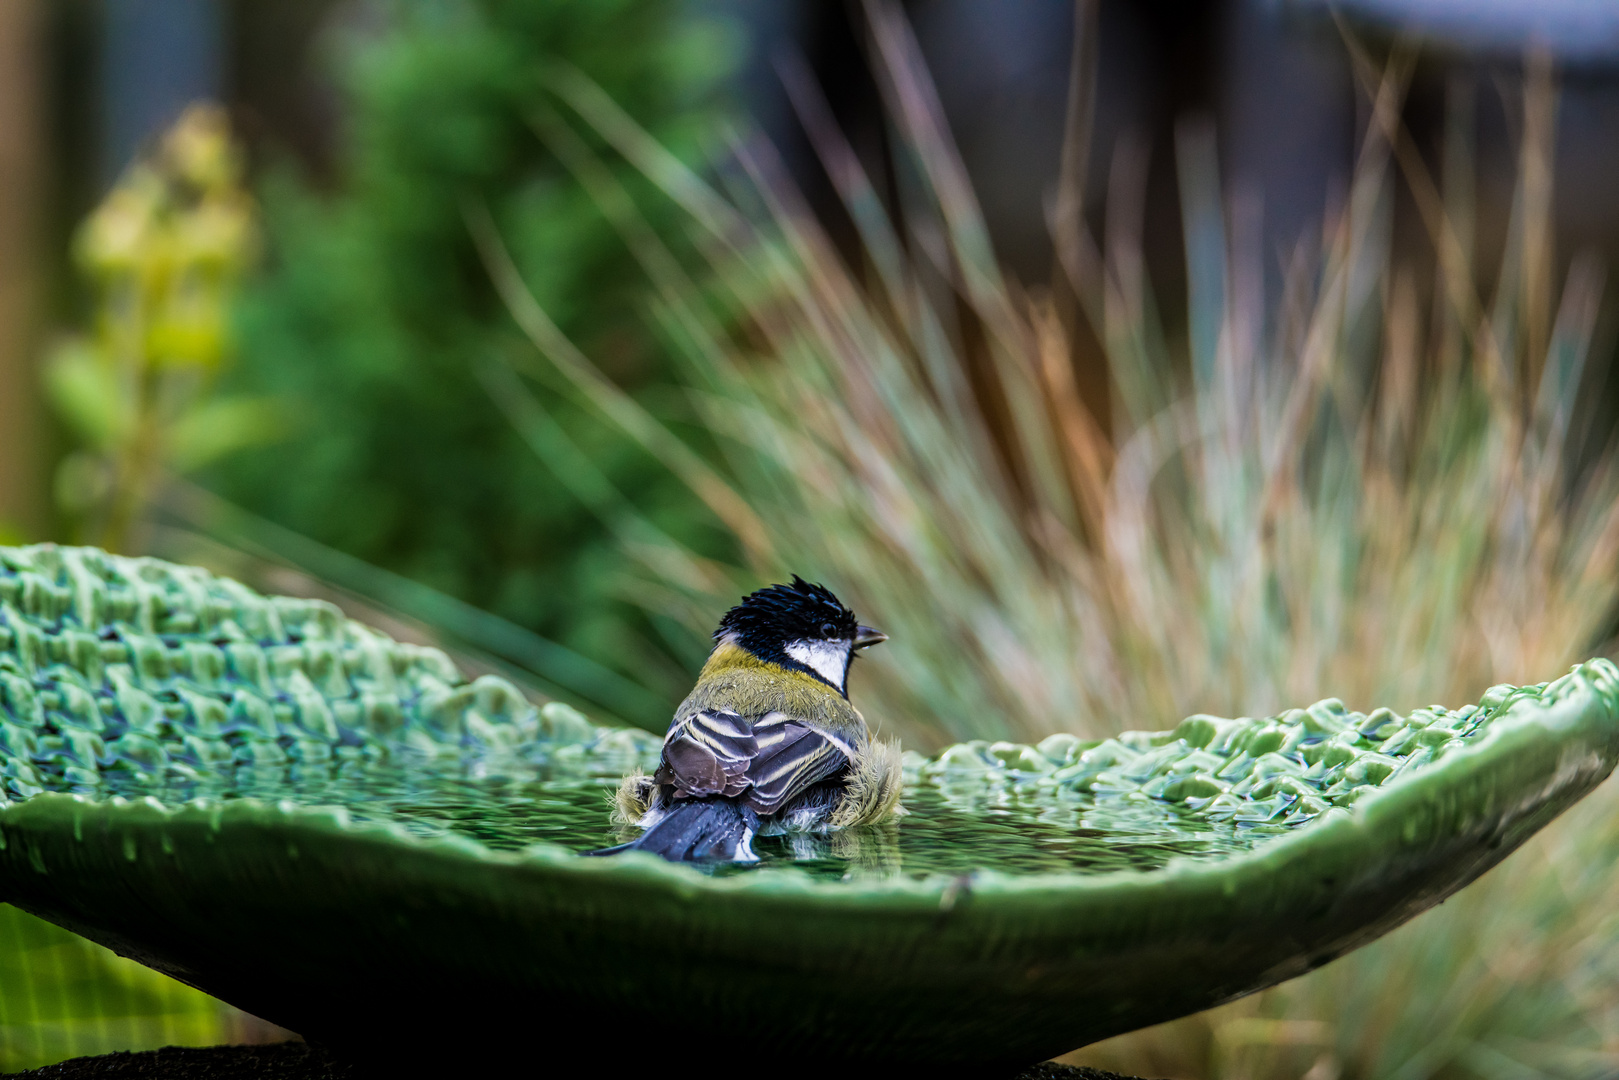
(954, 825)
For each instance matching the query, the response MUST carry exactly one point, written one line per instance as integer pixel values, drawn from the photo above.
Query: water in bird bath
(1210, 788)
(134, 678)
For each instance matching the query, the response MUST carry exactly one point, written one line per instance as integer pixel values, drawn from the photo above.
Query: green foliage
(375, 315)
(164, 250)
(62, 996)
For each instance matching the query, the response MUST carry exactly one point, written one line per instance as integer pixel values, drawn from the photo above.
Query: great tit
(767, 741)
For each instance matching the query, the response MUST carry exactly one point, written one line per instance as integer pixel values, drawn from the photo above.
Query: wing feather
(768, 762)
(708, 753)
(727, 734)
(801, 761)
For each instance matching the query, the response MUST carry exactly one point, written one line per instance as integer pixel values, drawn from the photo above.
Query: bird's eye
(827, 629)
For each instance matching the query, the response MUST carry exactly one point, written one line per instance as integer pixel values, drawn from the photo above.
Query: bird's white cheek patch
(829, 659)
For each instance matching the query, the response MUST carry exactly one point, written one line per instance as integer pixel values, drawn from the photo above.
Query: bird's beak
(868, 635)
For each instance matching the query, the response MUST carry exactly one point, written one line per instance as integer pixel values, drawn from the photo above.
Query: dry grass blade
(620, 407)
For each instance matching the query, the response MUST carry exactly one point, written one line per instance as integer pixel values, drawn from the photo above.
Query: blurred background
(1122, 359)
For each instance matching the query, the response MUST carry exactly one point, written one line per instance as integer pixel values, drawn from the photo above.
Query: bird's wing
(768, 762)
(792, 757)
(708, 753)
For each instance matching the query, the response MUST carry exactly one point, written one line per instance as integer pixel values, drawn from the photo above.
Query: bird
(767, 741)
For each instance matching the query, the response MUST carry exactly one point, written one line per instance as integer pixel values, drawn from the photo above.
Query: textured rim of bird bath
(364, 933)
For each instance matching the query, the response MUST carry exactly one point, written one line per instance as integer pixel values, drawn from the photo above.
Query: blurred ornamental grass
(164, 252)
(1386, 486)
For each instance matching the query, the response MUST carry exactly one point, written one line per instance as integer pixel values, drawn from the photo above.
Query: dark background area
(1272, 78)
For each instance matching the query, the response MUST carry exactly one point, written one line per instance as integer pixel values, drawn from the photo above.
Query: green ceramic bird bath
(340, 833)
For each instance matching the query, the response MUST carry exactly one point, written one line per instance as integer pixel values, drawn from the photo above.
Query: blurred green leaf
(83, 386)
(83, 481)
(222, 426)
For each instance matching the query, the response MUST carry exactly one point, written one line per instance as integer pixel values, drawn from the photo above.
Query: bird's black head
(801, 626)
(781, 613)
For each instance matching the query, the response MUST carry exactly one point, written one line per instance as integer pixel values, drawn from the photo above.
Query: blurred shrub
(374, 314)
(164, 250)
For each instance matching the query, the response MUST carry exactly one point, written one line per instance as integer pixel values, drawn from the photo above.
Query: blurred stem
(612, 401)
(135, 465)
(1535, 186)
(1075, 273)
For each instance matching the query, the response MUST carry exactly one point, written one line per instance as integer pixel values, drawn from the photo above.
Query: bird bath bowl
(341, 834)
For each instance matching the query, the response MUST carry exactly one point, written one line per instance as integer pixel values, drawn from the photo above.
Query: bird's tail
(699, 830)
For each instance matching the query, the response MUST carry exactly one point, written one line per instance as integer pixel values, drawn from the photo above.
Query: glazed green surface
(313, 822)
(135, 678)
